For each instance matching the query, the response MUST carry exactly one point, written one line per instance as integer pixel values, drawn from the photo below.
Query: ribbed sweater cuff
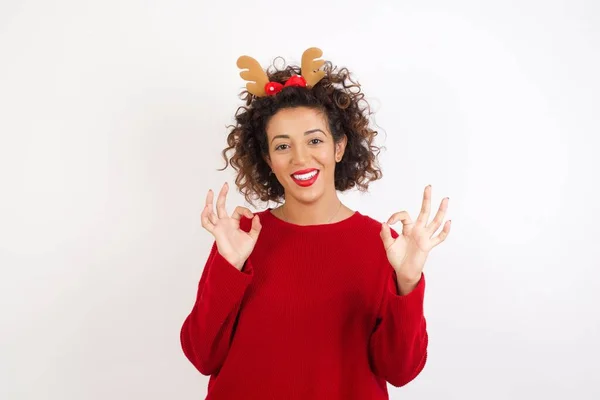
(226, 282)
(410, 305)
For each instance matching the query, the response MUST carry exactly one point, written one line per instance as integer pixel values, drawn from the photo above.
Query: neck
(322, 211)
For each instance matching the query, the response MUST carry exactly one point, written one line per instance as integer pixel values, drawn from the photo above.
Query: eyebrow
(305, 133)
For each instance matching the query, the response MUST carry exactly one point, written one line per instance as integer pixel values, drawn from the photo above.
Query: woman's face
(299, 139)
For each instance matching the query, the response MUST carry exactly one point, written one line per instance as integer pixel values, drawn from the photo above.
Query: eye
(312, 140)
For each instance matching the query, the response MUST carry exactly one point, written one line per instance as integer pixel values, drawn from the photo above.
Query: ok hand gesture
(234, 244)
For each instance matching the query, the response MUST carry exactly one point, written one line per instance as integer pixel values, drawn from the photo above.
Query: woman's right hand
(234, 244)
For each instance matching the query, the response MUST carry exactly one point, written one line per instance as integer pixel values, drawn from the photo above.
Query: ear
(340, 147)
(268, 161)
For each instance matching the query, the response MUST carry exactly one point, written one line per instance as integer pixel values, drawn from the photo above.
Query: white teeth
(305, 176)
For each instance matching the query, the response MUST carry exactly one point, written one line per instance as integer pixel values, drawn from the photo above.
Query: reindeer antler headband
(258, 81)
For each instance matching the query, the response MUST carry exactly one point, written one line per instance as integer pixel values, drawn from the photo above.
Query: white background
(113, 116)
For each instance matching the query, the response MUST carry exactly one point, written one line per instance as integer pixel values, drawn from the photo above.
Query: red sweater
(313, 314)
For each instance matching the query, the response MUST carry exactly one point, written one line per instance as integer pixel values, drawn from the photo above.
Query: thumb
(386, 235)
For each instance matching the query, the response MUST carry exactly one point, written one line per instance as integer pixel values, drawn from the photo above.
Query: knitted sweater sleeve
(207, 331)
(398, 343)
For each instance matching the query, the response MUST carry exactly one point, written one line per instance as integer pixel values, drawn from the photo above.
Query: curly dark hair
(338, 96)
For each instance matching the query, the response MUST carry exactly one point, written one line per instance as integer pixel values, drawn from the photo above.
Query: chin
(307, 194)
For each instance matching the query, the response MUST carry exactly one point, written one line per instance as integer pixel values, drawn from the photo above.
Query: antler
(310, 66)
(255, 73)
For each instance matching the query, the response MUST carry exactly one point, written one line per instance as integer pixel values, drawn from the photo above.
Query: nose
(299, 155)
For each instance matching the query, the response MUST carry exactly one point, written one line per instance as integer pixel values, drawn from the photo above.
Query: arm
(206, 332)
(398, 344)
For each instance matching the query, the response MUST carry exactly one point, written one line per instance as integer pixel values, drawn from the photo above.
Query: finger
(209, 203)
(405, 218)
(256, 228)
(212, 217)
(439, 217)
(386, 236)
(206, 224)
(221, 211)
(209, 198)
(425, 207)
(242, 211)
(443, 234)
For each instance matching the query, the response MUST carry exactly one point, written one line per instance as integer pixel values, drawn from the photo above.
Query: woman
(310, 300)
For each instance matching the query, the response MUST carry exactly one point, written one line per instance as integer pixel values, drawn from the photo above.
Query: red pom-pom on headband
(273, 88)
(296, 80)
(258, 82)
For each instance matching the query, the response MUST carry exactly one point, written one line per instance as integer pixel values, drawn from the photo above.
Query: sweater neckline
(344, 223)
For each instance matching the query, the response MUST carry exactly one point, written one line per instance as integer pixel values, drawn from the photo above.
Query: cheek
(279, 164)
(327, 158)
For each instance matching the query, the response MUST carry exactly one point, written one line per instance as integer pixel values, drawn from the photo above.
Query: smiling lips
(305, 177)
(304, 171)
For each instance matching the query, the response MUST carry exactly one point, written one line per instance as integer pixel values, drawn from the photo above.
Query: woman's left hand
(408, 252)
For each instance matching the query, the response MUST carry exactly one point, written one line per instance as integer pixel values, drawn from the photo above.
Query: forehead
(296, 120)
